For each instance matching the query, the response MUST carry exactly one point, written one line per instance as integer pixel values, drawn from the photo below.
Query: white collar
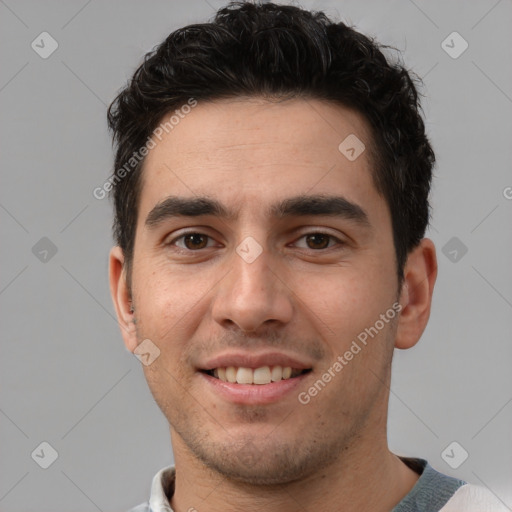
(163, 485)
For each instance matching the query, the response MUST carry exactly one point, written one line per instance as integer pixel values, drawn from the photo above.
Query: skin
(296, 297)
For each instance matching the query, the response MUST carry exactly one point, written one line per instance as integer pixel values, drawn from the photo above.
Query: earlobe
(420, 275)
(121, 298)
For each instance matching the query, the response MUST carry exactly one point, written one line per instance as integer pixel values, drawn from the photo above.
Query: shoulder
(473, 498)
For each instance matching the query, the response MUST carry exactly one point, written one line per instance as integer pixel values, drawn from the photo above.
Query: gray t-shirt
(432, 490)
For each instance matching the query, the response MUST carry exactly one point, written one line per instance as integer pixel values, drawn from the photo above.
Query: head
(274, 214)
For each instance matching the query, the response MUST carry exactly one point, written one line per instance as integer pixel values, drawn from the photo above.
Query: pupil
(319, 241)
(195, 241)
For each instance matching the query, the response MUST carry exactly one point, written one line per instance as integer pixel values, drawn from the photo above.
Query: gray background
(65, 376)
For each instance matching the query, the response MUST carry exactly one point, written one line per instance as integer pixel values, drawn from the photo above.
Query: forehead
(249, 152)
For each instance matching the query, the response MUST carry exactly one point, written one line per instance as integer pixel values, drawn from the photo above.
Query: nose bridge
(251, 294)
(251, 266)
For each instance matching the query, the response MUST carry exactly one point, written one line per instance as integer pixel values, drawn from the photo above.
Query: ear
(122, 298)
(420, 274)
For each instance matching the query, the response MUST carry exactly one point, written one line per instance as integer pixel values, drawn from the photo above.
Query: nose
(252, 295)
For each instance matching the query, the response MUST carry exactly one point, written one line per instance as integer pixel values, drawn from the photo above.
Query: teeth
(221, 373)
(262, 375)
(244, 376)
(277, 373)
(231, 374)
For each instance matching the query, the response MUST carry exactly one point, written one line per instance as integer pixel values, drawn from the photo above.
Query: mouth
(255, 376)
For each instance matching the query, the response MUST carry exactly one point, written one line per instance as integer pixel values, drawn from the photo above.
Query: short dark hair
(279, 52)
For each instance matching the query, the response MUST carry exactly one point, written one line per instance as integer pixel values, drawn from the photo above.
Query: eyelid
(184, 232)
(322, 231)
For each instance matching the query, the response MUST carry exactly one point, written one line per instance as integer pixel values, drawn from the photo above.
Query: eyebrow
(298, 206)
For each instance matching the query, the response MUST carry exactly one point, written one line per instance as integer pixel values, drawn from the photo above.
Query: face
(264, 255)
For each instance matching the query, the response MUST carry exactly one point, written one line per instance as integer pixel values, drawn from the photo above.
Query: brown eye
(318, 241)
(195, 241)
(192, 241)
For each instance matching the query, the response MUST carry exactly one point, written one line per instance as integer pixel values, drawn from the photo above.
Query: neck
(364, 478)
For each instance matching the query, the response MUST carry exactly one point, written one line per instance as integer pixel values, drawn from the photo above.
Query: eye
(192, 241)
(318, 241)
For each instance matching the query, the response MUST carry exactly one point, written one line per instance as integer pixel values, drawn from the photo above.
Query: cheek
(342, 304)
(169, 304)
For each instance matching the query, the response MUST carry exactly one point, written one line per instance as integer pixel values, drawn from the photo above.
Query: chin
(254, 468)
(264, 461)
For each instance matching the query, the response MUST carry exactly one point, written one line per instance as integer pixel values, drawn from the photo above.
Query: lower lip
(253, 394)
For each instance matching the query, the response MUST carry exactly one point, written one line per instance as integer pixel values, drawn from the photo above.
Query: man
(271, 190)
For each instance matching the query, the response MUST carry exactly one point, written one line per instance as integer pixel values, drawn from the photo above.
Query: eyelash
(185, 250)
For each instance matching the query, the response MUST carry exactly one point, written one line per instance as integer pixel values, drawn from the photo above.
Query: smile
(258, 376)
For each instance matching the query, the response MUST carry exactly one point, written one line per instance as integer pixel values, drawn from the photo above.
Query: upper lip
(254, 360)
